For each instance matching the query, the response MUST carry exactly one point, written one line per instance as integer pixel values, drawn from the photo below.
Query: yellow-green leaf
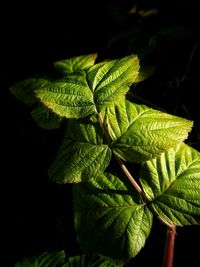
(74, 64)
(172, 183)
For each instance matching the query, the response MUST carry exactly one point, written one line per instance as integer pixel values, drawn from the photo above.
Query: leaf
(140, 133)
(84, 261)
(144, 73)
(74, 64)
(82, 154)
(24, 90)
(46, 259)
(111, 80)
(110, 217)
(45, 118)
(69, 97)
(76, 261)
(172, 182)
(83, 93)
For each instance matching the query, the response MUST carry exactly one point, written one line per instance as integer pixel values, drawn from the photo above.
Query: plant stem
(169, 246)
(130, 177)
(104, 130)
(120, 162)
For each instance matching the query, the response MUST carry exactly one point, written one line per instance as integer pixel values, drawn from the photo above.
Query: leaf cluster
(113, 217)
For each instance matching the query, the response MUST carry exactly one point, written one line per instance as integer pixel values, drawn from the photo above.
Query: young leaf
(45, 118)
(111, 80)
(74, 64)
(69, 97)
(172, 182)
(24, 90)
(140, 133)
(82, 154)
(81, 94)
(110, 218)
(46, 259)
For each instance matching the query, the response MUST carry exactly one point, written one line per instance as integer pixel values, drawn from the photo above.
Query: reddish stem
(169, 246)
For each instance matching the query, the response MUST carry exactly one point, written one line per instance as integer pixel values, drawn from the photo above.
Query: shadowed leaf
(45, 118)
(46, 259)
(24, 90)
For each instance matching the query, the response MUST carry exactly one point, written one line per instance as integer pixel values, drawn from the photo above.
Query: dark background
(36, 214)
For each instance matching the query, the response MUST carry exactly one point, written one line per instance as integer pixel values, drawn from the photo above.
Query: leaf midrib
(178, 177)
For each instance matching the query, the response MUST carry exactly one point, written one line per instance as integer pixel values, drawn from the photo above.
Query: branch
(169, 246)
(120, 162)
(104, 130)
(130, 177)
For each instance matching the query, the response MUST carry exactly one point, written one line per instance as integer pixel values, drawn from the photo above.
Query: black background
(33, 36)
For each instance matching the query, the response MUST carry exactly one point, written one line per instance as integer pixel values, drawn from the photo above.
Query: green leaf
(45, 118)
(46, 259)
(80, 94)
(111, 80)
(76, 261)
(74, 64)
(82, 154)
(172, 182)
(69, 97)
(24, 90)
(86, 261)
(110, 217)
(140, 133)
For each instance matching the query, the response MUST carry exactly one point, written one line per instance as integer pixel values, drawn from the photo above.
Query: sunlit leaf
(111, 80)
(81, 94)
(172, 183)
(74, 64)
(110, 217)
(69, 97)
(140, 133)
(82, 154)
